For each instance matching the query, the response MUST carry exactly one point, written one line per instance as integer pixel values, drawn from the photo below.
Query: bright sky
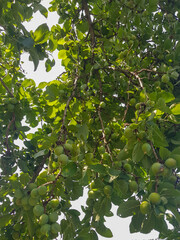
(119, 226)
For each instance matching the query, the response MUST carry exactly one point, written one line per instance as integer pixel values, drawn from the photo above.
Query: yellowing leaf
(176, 109)
(62, 54)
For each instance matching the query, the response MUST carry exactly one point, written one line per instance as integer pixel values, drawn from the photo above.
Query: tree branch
(88, 16)
(7, 89)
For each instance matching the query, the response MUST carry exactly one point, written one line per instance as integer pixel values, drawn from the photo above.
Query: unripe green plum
(68, 146)
(128, 133)
(145, 207)
(43, 219)
(58, 150)
(18, 194)
(63, 159)
(45, 229)
(54, 203)
(165, 78)
(53, 217)
(101, 149)
(170, 163)
(108, 190)
(102, 104)
(107, 131)
(133, 186)
(33, 201)
(132, 102)
(10, 107)
(38, 210)
(146, 148)
(154, 198)
(31, 186)
(15, 235)
(89, 156)
(157, 168)
(127, 167)
(42, 190)
(91, 194)
(34, 193)
(25, 201)
(55, 228)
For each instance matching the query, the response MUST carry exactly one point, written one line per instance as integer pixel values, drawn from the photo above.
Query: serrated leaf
(128, 208)
(137, 153)
(164, 153)
(158, 137)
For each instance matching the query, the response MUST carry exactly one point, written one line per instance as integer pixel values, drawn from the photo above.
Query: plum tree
(107, 123)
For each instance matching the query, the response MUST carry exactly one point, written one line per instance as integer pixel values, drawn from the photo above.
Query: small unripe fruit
(154, 198)
(133, 186)
(146, 148)
(55, 228)
(33, 201)
(38, 210)
(18, 194)
(34, 193)
(42, 190)
(43, 219)
(132, 102)
(58, 150)
(68, 146)
(54, 203)
(165, 78)
(127, 167)
(91, 194)
(170, 163)
(63, 159)
(102, 104)
(101, 149)
(145, 207)
(108, 190)
(45, 229)
(43, 174)
(157, 168)
(53, 217)
(32, 186)
(128, 132)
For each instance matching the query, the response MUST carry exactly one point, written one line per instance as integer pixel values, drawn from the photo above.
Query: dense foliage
(109, 123)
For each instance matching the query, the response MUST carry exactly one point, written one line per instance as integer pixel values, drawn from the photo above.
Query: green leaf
(137, 153)
(176, 109)
(104, 231)
(34, 57)
(40, 153)
(82, 132)
(148, 223)
(128, 208)
(136, 222)
(158, 137)
(4, 220)
(41, 34)
(62, 54)
(69, 170)
(27, 42)
(167, 96)
(98, 168)
(164, 153)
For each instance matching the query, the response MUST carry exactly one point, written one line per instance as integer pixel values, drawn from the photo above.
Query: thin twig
(5, 86)
(154, 152)
(7, 131)
(67, 105)
(39, 168)
(127, 106)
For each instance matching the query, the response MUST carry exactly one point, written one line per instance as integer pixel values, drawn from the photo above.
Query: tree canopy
(110, 123)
